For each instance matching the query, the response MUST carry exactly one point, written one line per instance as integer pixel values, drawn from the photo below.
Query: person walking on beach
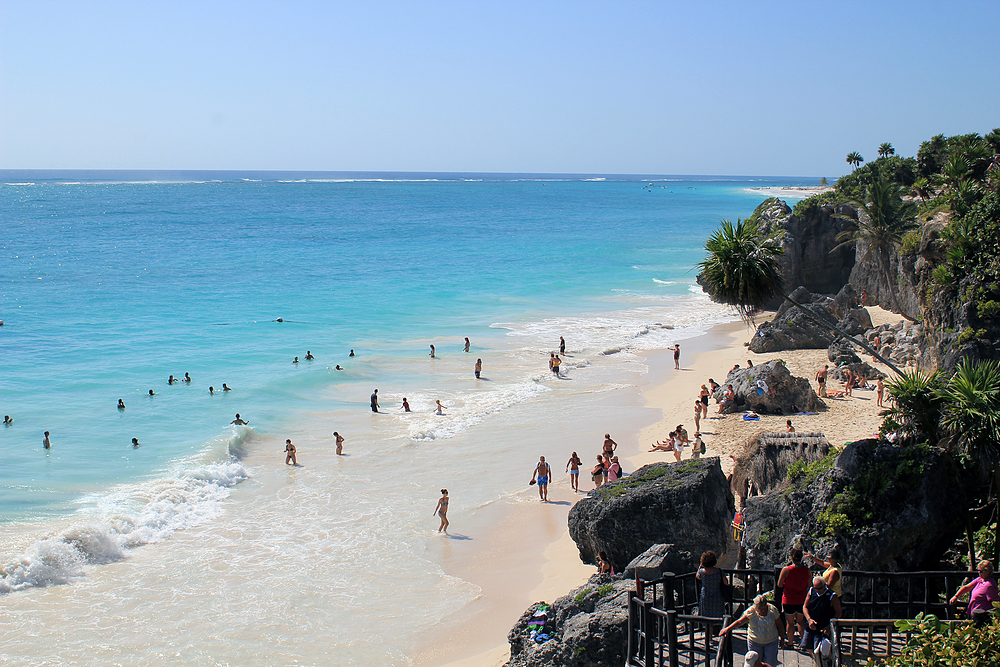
(542, 472)
(880, 388)
(821, 380)
(697, 414)
(441, 509)
(562, 346)
(45, 441)
(609, 446)
(290, 453)
(375, 401)
(677, 357)
(555, 365)
(703, 398)
(597, 474)
(573, 468)
(340, 443)
(467, 343)
(479, 367)
(239, 421)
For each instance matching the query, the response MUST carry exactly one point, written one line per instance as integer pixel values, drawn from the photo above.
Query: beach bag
(702, 446)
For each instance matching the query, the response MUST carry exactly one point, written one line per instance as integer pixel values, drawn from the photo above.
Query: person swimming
(171, 380)
(309, 356)
(352, 353)
(406, 406)
(151, 393)
(211, 390)
(135, 443)
(45, 441)
(225, 387)
(7, 421)
(338, 368)
(121, 404)
(239, 421)
(187, 378)
(295, 360)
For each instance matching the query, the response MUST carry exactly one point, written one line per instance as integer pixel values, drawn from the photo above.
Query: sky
(699, 87)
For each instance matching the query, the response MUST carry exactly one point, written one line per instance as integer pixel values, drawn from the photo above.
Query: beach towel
(807, 413)
(751, 418)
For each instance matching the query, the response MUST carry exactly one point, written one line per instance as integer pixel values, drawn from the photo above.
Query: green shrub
(581, 596)
(911, 242)
(833, 522)
(934, 642)
(604, 590)
(942, 275)
(988, 309)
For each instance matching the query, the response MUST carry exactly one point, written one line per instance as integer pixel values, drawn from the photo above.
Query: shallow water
(109, 287)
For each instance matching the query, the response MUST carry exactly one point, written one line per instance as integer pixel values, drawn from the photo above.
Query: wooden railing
(665, 627)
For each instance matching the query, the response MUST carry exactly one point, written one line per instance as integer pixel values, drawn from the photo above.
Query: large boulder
(881, 504)
(586, 628)
(687, 504)
(767, 456)
(769, 388)
(794, 329)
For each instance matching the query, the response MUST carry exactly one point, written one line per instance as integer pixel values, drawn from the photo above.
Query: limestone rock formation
(655, 561)
(883, 504)
(769, 389)
(586, 628)
(767, 456)
(687, 504)
(793, 329)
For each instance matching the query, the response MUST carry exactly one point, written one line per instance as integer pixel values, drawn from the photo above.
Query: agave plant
(742, 271)
(915, 410)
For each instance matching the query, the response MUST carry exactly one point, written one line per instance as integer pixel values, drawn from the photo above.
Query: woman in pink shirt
(984, 594)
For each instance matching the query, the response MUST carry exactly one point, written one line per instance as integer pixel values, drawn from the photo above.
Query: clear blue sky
(700, 87)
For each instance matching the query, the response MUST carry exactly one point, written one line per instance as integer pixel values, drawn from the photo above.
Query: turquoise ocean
(110, 282)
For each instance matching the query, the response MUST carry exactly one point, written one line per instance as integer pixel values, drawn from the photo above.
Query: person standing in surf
(479, 367)
(467, 343)
(562, 346)
(340, 443)
(677, 357)
(442, 511)
(290, 453)
(375, 401)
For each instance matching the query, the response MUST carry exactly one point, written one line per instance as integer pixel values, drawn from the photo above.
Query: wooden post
(672, 637)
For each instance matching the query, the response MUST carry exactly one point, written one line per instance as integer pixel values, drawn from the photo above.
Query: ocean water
(200, 546)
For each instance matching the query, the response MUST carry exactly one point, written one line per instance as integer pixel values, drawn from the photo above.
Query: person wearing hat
(752, 659)
(765, 628)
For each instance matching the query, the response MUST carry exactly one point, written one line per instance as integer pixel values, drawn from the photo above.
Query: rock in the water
(586, 628)
(687, 504)
(793, 329)
(770, 389)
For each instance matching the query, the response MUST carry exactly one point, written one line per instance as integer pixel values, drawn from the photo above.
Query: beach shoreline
(555, 569)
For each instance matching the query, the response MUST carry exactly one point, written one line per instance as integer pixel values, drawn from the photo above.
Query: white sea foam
(467, 410)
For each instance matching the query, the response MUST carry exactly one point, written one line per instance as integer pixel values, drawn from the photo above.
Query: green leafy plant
(581, 596)
(935, 643)
(604, 590)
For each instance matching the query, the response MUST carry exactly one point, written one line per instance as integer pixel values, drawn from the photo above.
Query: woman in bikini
(442, 511)
(573, 468)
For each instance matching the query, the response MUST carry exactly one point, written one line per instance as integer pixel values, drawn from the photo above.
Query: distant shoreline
(794, 192)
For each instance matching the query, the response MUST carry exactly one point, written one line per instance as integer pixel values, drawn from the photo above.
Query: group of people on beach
(852, 380)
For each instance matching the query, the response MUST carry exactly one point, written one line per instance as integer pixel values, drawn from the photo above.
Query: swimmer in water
(340, 443)
(467, 343)
(440, 408)
(225, 387)
(290, 453)
(309, 356)
(352, 353)
(432, 351)
(151, 393)
(406, 406)
(295, 360)
(211, 390)
(479, 367)
(338, 368)
(375, 401)
(135, 443)
(45, 441)
(7, 421)
(239, 421)
(187, 378)
(171, 380)
(121, 404)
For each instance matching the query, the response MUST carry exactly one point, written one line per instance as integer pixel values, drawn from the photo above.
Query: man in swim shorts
(239, 421)
(821, 380)
(375, 401)
(542, 472)
(479, 367)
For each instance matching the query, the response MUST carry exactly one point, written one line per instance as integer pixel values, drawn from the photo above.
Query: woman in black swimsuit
(442, 511)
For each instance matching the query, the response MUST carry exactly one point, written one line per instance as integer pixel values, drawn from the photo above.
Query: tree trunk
(996, 528)
(824, 322)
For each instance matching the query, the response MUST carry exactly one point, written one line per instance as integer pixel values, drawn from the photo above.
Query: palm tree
(886, 149)
(922, 188)
(971, 414)
(879, 225)
(854, 158)
(742, 271)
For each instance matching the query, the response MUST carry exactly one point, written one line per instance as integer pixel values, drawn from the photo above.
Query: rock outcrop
(882, 505)
(688, 505)
(767, 456)
(793, 329)
(769, 389)
(586, 628)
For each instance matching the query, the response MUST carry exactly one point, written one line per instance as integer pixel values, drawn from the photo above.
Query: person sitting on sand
(666, 445)
(441, 509)
(788, 426)
(290, 453)
(728, 399)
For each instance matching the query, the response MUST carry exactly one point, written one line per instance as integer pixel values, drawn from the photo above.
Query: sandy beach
(531, 556)
(791, 192)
